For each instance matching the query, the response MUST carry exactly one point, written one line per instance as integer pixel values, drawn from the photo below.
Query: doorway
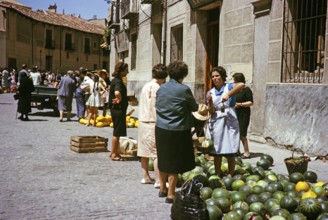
(212, 47)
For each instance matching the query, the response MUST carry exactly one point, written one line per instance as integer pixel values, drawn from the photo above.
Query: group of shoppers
(90, 91)
(166, 119)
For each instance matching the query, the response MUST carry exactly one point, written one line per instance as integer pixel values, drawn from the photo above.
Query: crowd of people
(9, 78)
(168, 113)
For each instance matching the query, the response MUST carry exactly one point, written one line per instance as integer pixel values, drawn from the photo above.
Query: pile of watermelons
(257, 193)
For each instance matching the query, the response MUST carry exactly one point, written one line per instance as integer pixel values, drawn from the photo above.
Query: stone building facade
(52, 41)
(280, 46)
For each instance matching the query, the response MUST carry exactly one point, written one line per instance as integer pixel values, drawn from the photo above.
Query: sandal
(169, 200)
(145, 181)
(117, 159)
(245, 157)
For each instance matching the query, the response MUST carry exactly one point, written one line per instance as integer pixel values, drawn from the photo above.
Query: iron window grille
(304, 31)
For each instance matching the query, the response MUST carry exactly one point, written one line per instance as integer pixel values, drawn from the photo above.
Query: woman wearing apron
(223, 124)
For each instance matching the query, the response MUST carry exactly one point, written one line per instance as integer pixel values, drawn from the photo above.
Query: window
(304, 41)
(49, 43)
(133, 51)
(87, 45)
(176, 43)
(68, 42)
(23, 31)
(48, 62)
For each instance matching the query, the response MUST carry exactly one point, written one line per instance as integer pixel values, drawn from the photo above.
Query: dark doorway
(212, 47)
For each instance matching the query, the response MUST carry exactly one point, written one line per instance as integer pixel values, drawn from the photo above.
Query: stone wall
(297, 115)
(237, 37)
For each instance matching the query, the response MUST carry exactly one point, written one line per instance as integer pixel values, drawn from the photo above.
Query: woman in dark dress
(174, 106)
(24, 102)
(244, 100)
(118, 103)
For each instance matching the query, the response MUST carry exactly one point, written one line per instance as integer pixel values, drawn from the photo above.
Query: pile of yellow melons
(101, 121)
(132, 122)
(105, 121)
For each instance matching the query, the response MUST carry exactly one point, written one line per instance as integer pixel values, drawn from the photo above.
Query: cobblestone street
(41, 178)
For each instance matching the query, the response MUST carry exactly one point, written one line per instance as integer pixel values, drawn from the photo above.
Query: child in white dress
(94, 101)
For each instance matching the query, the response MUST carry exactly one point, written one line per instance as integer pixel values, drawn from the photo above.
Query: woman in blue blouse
(174, 106)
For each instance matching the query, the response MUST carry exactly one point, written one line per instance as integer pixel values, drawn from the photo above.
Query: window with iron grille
(304, 29)
(176, 43)
(133, 51)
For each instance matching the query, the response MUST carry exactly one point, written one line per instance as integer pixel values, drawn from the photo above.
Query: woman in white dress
(223, 124)
(147, 119)
(94, 100)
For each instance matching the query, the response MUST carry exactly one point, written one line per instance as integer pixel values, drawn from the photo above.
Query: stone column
(260, 69)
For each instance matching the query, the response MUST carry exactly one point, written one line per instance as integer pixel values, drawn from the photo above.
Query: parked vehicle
(45, 97)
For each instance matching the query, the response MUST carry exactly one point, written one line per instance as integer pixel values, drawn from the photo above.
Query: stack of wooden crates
(88, 144)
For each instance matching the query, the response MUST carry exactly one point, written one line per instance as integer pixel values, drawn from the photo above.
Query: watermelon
(280, 212)
(310, 207)
(214, 182)
(310, 176)
(323, 216)
(258, 207)
(220, 192)
(264, 163)
(265, 196)
(232, 215)
(207, 143)
(224, 204)
(268, 157)
(206, 193)
(296, 177)
(272, 204)
(237, 196)
(201, 179)
(214, 212)
(296, 216)
(289, 203)
(241, 205)
(151, 164)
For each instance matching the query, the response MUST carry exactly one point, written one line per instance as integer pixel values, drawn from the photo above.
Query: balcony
(114, 19)
(129, 8)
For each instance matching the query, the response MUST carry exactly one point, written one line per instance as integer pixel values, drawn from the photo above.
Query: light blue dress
(223, 127)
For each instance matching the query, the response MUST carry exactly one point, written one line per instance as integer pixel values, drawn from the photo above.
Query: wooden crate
(88, 144)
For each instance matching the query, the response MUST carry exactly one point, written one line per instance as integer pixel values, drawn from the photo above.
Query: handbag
(188, 204)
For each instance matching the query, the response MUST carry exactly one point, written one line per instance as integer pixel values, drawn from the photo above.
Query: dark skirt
(119, 122)
(24, 104)
(175, 151)
(243, 119)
